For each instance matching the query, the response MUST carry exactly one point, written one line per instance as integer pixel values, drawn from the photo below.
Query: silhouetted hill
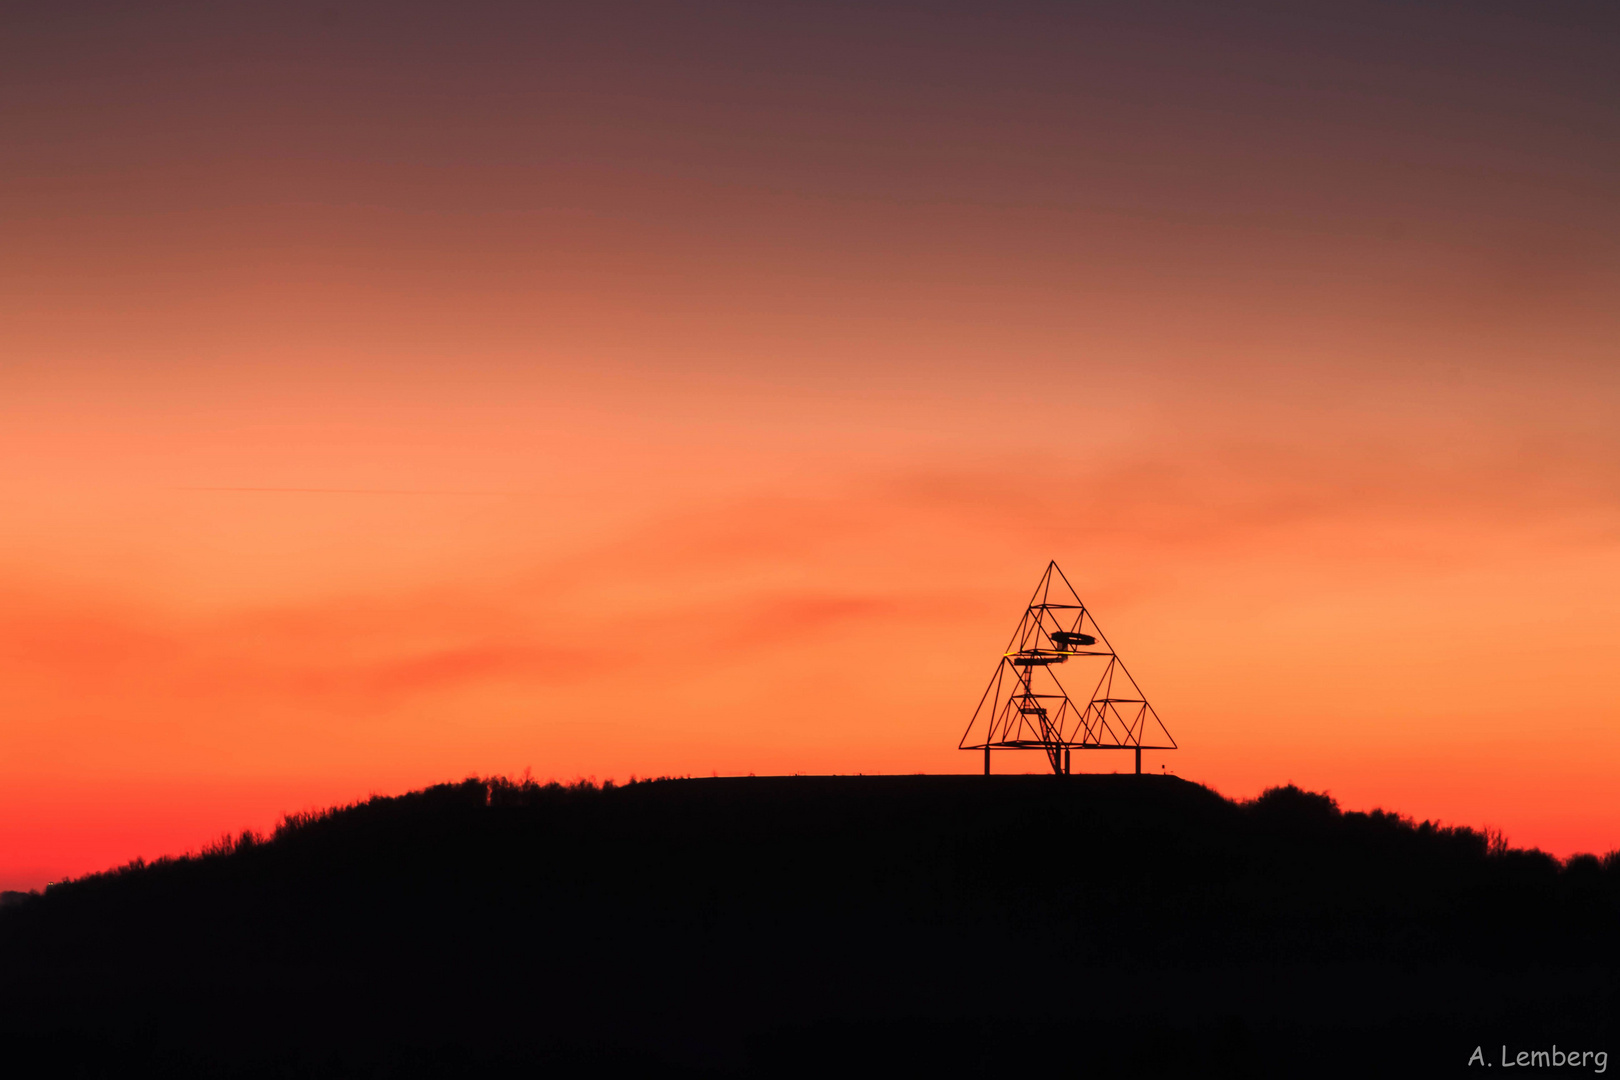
(958, 925)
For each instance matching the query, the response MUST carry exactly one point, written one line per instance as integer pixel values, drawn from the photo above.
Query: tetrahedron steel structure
(1028, 707)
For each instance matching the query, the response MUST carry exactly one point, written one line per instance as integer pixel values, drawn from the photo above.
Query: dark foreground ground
(1088, 925)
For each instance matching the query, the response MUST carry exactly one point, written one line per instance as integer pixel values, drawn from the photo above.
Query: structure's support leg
(987, 761)
(1068, 762)
(1138, 761)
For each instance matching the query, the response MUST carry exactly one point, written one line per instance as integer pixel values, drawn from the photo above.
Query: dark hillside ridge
(953, 925)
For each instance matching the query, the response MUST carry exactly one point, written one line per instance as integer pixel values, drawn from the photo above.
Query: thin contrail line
(341, 491)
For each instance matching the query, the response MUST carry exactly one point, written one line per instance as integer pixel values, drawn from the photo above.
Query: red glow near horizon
(663, 393)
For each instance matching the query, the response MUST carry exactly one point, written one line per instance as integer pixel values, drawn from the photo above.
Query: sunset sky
(394, 392)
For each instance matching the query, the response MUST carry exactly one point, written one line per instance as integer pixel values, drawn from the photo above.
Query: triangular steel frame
(1026, 707)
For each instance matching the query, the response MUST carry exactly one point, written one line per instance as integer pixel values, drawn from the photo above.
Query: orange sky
(648, 392)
